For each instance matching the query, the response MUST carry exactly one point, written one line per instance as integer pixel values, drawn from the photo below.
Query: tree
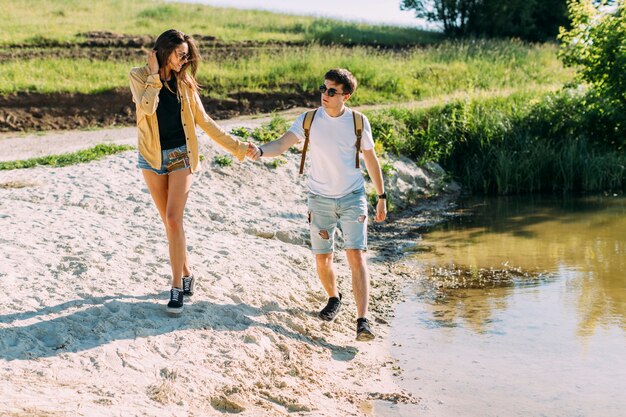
(596, 46)
(453, 14)
(532, 20)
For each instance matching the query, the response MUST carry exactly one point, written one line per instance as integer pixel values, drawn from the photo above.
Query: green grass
(522, 143)
(267, 132)
(392, 76)
(87, 155)
(384, 76)
(37, 21)
(223, 160)
(50, 75)
(275, 163)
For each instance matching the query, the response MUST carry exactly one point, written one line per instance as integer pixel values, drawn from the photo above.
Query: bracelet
(260, 150)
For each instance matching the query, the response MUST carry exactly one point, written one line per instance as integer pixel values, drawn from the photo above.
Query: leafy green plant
(595, 46)
(387, 168)
(242, 132)
(223, 160)
(275, 163)
(271, 130)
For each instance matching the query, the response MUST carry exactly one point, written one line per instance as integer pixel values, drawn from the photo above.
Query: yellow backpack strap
(306, 124)
(358, 131)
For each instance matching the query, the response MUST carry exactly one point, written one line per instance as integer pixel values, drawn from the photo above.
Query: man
(336, 189)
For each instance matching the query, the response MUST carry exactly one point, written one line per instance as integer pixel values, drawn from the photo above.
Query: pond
(522, 313)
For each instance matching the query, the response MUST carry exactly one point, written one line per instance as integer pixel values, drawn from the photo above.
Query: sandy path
(83, 330)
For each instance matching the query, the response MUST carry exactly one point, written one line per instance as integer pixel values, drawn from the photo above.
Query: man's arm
(376, 174)
(274, 148)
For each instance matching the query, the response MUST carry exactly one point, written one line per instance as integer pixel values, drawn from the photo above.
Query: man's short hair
(344, 77)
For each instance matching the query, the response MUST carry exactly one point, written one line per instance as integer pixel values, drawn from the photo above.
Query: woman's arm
(216, 132)
(145, 89)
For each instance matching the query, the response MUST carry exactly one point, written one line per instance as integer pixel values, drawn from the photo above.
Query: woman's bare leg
(178, 190)
(158, 185)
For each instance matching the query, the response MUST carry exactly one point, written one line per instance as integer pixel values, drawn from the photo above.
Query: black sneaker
(363, 330)
(175, 306)
(188, 284)
(331, 310)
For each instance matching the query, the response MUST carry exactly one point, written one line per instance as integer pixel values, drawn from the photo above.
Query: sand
(84, 266)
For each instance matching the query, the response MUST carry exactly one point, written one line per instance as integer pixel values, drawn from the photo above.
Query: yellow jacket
(145, 89)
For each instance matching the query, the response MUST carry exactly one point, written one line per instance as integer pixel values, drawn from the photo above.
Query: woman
(168, 107)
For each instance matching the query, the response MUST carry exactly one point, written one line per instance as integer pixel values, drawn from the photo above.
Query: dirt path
(24, 112)
(19, 145)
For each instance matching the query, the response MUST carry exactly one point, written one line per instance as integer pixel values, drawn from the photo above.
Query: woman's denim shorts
(172, 160)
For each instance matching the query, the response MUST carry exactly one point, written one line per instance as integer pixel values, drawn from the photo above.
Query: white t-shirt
(332, 153)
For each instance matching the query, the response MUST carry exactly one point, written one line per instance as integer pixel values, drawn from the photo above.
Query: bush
(223, 160)
(596, 46)
(517, 144)
(270, 131)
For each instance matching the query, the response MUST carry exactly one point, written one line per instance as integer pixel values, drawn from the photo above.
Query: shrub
(223, 160)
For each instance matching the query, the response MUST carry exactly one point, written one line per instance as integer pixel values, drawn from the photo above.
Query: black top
(168, 113)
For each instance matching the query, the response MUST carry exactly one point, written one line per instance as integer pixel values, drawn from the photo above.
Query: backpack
(358, 131)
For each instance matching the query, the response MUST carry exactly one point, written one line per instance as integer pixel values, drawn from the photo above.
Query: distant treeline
(531, 20)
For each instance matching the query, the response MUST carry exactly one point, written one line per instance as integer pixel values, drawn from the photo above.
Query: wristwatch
(382, 196)
(260, 150)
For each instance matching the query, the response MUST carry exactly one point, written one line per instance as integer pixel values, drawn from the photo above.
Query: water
(524, 313)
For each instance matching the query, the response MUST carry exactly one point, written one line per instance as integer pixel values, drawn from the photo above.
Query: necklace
(172, 87)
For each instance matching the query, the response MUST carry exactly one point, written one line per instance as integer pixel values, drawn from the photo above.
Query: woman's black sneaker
(331, 310)
(175, 306)
(188, 285)
(363, 330)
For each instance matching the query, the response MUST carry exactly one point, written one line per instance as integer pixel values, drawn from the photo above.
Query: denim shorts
(348, 212)
(172, 160)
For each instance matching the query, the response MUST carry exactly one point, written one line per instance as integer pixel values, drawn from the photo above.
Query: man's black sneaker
(188, 284)
(175, 306)
(331, 310)
(363, 330)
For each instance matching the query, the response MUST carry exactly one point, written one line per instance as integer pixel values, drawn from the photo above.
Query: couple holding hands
(168, 106)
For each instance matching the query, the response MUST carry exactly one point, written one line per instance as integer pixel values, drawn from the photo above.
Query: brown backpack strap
(358, 131)
(306, 124)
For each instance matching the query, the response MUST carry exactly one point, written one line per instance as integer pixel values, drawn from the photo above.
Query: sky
(370, 11)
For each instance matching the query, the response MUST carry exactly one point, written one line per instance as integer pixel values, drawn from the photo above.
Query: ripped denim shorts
(349, 213)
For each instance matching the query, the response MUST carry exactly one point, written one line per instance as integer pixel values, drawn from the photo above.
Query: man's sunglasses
(330, 91)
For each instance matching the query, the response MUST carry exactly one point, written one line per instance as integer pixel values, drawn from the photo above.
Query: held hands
(381, 211)
(153, 63)
(253, 151)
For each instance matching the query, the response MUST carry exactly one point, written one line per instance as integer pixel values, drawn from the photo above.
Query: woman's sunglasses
(330, 91)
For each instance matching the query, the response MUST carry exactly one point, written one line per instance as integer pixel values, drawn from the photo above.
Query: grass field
(424, 67)
(384, 76)
(31, 21)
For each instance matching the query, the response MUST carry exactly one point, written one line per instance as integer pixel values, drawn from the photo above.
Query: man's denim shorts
(348, 212)
(172, 160)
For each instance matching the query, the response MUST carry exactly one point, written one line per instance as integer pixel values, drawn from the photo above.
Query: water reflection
(580, 240)
(524, 313)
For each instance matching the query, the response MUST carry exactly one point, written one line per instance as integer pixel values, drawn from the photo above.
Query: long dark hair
(166, 43)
